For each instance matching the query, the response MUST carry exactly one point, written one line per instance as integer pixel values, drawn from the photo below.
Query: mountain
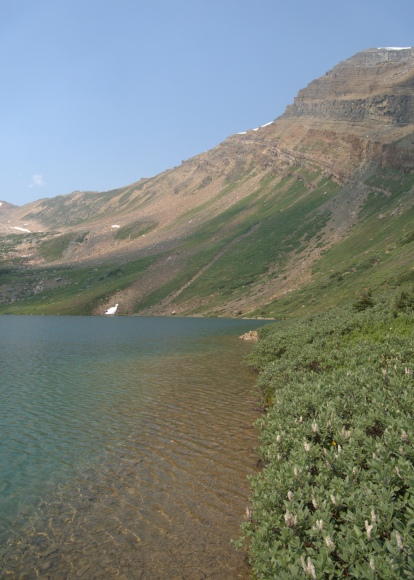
(300, 213)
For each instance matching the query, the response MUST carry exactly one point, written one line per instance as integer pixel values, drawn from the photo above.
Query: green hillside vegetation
(376, 252)
(284, 217)
(281, 218)
(55, 248)
(67, 290)
(252, 243)
(134, 230)
(335, 498)
(63, 210)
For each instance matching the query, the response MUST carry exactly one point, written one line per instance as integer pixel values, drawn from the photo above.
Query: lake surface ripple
(125, 446)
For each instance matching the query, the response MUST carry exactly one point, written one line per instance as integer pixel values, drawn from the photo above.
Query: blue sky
(96, 94)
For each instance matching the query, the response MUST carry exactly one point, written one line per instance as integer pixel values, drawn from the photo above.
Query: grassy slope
(377, 252)
(68, 290)
(248, 244)
(283, 215)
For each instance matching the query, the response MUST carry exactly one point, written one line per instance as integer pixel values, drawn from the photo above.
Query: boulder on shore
(251, 335)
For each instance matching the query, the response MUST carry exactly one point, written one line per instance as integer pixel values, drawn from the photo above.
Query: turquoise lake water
(125, 445)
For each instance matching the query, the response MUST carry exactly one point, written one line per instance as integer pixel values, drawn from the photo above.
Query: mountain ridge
(310, 174)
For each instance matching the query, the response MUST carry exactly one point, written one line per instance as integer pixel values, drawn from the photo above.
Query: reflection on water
(126, 445)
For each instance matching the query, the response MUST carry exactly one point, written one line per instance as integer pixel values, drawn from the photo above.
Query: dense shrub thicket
(335, 497)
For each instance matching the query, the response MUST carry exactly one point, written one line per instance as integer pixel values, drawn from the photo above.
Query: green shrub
(336, 495)
(364, 300)
(403, 302)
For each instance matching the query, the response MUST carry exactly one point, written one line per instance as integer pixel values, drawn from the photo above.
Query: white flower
(314, 502)
(329, 543)
(368, 528)
(290, 520)
(307, 446)
(308, 568)
(399, 540)
(318, 527)
(315, 427)
(290, 496)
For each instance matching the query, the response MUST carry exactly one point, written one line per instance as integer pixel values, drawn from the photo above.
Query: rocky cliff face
(362, 111)
(375, 85)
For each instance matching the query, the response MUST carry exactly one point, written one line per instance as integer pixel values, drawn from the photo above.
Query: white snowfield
(257, 128)
(115, 226)
(21, 229)
(394, 47)
(1, 203)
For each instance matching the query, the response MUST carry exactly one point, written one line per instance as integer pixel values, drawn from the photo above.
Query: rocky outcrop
(374, 85)
(361, 112)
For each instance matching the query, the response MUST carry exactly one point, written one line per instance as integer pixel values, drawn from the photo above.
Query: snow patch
(257, 128)
(21, 229)
(115, 226)
(393, 47)
(1, 203)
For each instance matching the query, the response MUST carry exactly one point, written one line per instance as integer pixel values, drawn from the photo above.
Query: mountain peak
(374, 85)
(371, 57)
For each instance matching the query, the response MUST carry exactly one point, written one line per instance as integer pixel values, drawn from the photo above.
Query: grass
(253, 241)
(135, 230)
(281, 228)
(272, 213)
(377, 252)
(55, 248)
(68, 290)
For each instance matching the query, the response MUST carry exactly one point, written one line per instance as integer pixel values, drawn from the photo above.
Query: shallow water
(125, 445)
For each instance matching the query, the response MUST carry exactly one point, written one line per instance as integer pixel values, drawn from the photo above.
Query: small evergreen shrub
(404, 302)
(365, 300)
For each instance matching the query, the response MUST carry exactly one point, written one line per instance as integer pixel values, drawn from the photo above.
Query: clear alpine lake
(125, 446)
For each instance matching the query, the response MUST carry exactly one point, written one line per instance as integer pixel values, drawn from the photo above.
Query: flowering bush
(336, 495)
